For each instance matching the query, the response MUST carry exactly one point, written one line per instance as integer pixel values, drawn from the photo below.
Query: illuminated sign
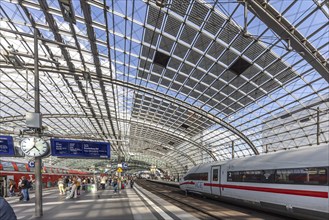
(80, 149)
(7, 146)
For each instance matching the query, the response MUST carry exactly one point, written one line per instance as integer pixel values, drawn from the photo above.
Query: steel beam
(175, 101)
(92, 40)
(53, 26)
(43, 41)
(178, 136)
(283, 28)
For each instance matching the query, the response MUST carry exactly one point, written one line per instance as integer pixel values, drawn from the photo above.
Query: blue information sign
(31, 164)
(124, 165)
(80, 149)
(7, 146)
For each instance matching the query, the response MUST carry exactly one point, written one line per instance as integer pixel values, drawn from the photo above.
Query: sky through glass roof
(174, 86)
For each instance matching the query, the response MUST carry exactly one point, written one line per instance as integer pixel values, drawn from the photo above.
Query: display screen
(7, 146)
(81, 149)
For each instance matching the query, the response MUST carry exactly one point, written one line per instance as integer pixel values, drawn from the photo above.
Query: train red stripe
(187, 183)
(271, 190)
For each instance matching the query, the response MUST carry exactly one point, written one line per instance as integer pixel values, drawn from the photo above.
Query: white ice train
(292, 182)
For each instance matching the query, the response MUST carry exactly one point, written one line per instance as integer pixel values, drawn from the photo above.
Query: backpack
(29, 184)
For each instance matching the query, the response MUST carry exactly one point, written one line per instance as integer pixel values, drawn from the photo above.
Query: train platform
(135, 204)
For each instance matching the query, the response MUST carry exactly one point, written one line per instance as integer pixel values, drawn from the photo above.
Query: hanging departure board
(7, 146)
(80, 149)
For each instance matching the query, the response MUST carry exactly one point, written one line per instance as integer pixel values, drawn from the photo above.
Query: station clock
(34, 147)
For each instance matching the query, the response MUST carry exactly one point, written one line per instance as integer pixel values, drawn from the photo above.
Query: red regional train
(292, 182)
(14, 169)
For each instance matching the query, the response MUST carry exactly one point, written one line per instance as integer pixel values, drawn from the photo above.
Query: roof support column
(37, 172)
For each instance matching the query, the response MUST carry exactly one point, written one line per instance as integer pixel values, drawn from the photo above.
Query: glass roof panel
(186, 80)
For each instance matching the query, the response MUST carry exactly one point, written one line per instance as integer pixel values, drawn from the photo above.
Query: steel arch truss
(187, 80)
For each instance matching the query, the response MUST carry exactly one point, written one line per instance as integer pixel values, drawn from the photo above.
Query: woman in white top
(73, 193)
(61, 186)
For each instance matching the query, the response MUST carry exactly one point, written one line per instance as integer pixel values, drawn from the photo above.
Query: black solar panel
(161, 59)
(239, 66)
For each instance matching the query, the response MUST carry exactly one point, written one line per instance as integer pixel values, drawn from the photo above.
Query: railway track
(204, 208)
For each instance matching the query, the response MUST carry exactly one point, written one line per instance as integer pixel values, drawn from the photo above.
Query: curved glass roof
(171, 83)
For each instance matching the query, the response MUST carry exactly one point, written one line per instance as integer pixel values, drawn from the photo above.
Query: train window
(7, 166)
(234, 176)
(204, 176)
(253, 176)
(268, 176)
(309, 176)
(318, 176)
(215, 175)
(282, 176)
(21, 167)
(197, 176)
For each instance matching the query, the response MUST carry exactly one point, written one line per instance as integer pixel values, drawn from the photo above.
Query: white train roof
(315, 156)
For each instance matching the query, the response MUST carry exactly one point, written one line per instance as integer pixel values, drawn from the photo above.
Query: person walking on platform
(12, 186)
(20, 189)
(73, 193)
(103, 182)
(78, 185)
(131, 183)
(25, 189)
(66, 181)
(61, 186)
(115, 185)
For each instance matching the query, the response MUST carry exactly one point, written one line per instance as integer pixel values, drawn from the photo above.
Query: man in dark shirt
(6, 211)
(66, 181)
(25, 189)
(131, 183)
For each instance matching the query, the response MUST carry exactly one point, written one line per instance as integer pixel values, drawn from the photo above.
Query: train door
(215, 180)
(3, 186)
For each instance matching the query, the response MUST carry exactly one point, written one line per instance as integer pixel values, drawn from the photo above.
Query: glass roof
(170, 83)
